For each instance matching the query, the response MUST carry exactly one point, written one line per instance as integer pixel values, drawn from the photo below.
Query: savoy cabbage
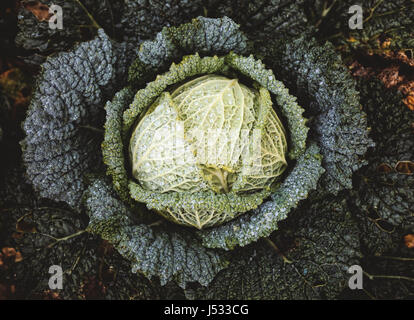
(75, 109)
(89, 100)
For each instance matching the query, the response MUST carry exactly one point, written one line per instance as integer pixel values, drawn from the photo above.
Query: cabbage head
(211, 135)
(200, 127)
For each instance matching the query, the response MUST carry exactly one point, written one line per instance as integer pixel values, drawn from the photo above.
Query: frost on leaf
(167, 254)
(205, 36)
(317, 243)
(264, 220)
(327, 92)
(61, 144)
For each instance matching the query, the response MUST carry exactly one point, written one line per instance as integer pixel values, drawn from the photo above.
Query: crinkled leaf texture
(61, 143)
(308, 168)
(190, 258)
(263, 220)
(158, 252)
(316, 245)
(152, 251)
(384, 191)
(202, 35)
(263, 19)
(327, 91)
(40, 40)
(167, 48)
(138, 20)
(220, 111)
(142, 19)
(205, 207)
(47, 233)
(69, 98)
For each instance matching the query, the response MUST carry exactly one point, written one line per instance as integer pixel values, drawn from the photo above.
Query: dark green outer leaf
(324, 87)
(264, 19)
(320, 241)
(166, 254)
(202, 35)
(61, 144)
(384, 196)
(82, 256)
(264, 220)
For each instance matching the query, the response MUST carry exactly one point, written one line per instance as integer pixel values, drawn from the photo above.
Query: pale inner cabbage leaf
(211, 133)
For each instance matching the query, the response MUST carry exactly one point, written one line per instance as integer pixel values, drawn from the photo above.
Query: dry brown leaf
(9, 255)
(92, 288)
(391, 76)
(405, 167)
(384, 168)
(409, 240)
(8, 252)
(39, 10)
(358, 70)
(15, 85)
(409, 102)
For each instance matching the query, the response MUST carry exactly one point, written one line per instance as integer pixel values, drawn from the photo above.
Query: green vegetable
(205, 112)
(202, 138)
(340, 200)
(212, 49)
(164, 252)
